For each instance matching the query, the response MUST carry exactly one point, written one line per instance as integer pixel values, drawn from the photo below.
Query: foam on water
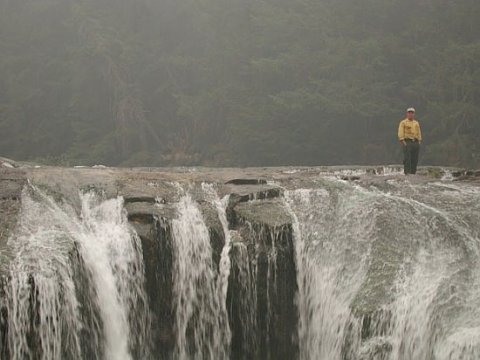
(387, 271)
(419, 243)
(112, 252)
(331, 236)
(45, 316)
(201, 320)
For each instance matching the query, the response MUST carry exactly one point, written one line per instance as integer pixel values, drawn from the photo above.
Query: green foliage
(237, 82)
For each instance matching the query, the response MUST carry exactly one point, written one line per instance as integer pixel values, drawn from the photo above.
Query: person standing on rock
(410, 137)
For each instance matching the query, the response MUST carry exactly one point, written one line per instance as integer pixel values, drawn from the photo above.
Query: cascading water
(75, 284)
(43, 312)
(382, 270)
(201, 322)
(332, 231)
(387, 273)
(225, 263)
(113, 256)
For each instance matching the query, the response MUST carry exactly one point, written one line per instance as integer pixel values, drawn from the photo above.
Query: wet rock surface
(263, 273)
(146, 212)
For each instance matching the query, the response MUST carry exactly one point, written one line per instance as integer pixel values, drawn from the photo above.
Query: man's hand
(403, 142)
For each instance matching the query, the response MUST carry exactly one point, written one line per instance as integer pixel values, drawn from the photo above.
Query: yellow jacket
(409, 129)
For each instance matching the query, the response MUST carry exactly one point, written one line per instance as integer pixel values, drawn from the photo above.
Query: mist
(237, 82)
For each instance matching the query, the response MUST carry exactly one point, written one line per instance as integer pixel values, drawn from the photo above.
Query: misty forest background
(237, 82)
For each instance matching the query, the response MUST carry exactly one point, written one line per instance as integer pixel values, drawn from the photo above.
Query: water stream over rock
(312, 264)
(61, 258)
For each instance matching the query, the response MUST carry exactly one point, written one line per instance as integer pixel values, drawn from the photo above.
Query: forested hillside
(237, 82)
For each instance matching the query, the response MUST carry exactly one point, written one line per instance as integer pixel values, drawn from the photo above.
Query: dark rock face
(151, 220)
(261, 224)
(262, 282)
(270, 258)
(146, 213)
(247, 182)
(157, 254)
(215, 230)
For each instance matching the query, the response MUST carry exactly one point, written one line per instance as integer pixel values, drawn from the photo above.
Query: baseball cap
(411, 109)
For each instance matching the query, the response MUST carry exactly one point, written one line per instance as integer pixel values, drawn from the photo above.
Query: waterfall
(40, 294)
(336, 270)
(387, 273)
(331, 233)
(225, 263)
(75, 284)
(201, 321)
(113, 256)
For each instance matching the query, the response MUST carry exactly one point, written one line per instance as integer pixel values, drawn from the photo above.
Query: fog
(237, 82)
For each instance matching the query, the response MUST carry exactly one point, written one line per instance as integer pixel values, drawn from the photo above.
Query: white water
(331, 237)
(420, 241)
(225, 263)
(425, 236)
(201, 320)
(112, 253)
(41, 248)
(44, 252)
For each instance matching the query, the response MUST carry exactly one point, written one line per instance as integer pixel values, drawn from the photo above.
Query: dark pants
(410, 156)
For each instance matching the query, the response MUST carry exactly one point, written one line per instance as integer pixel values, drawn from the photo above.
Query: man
(410, 137)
